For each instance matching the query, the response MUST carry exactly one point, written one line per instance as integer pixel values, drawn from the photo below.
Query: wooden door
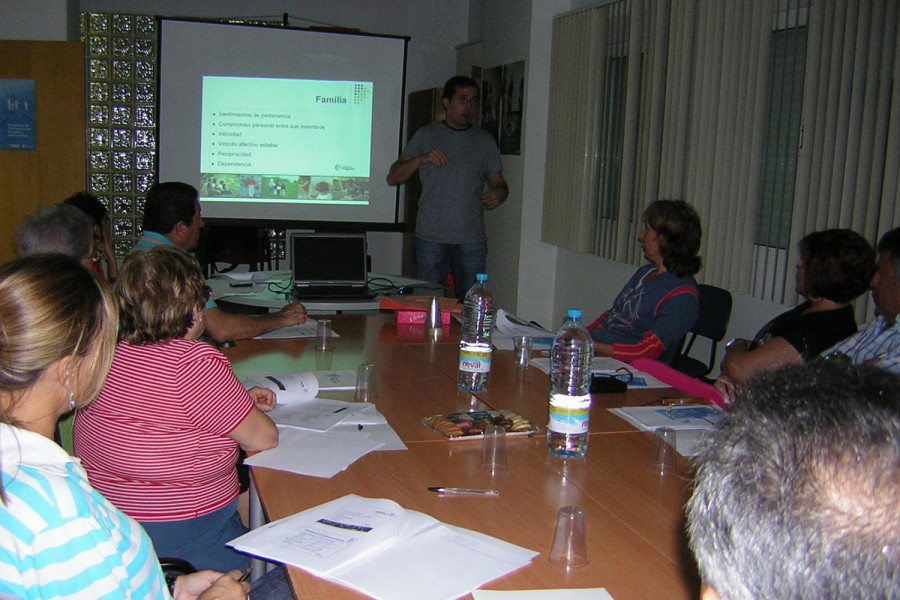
(55, 169)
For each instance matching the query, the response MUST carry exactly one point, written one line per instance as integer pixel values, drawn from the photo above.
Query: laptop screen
(329, 259)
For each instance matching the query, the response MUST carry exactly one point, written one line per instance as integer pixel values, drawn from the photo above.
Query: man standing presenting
(879, 342)
(454, 161)
(172, 218)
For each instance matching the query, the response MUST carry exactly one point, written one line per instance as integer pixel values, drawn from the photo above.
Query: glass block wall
(120, 67)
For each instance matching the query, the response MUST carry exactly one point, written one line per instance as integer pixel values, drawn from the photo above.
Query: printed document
(507, 326)
(316, 414)
(384, 551)
(291, 387)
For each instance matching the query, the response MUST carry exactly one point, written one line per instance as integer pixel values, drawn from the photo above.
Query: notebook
(330, 265)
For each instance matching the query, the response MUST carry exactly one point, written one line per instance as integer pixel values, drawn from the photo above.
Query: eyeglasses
(462, 101)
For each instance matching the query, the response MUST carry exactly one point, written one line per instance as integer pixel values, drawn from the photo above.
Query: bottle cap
(574, 313)
(482, 277)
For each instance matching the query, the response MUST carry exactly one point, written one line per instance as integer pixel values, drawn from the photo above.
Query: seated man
(172, 218)
(879, 342)
(796, 492)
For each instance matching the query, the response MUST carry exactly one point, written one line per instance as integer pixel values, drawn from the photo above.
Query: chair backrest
(714, 313)
(712, 323)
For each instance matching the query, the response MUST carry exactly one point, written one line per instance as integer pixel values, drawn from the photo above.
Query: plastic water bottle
(570, 401)
(475, 342)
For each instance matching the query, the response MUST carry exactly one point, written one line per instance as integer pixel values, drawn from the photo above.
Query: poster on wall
(511, 114)
(491, 97)
(16, 114)
(476, 75)
(502, 104)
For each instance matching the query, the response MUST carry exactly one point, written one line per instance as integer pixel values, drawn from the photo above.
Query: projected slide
(286, 140)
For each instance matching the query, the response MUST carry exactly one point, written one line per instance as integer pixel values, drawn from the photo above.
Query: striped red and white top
(154, 441)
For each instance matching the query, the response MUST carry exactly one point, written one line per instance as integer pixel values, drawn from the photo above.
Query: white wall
(37, 20)
(505, 28)
(434, 28)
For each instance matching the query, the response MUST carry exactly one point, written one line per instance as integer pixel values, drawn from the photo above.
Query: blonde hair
(51, 308)
(158, 290)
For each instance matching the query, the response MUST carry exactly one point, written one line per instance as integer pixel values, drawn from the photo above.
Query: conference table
(635, 522)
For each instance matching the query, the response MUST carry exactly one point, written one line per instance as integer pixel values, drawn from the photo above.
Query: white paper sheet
(301, 385)
(288, 387)
(316, 414)
(384, 551)
(312, 453)
(306, 330)
(371, 424)
(582, 594)
(649, 418)
(687, 441)
(508, 326)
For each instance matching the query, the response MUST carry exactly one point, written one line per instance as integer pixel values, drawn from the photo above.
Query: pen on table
(450, 490)
(245, 574)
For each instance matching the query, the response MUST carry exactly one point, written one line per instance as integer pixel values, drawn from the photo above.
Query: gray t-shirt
(449, 210)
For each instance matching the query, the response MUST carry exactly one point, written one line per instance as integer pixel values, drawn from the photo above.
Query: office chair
(712, 323)
(172, 568)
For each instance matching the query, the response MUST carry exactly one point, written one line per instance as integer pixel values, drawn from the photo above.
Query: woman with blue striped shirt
(59, 538)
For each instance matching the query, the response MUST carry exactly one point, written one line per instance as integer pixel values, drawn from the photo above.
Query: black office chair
(712, 323)
(173, 568)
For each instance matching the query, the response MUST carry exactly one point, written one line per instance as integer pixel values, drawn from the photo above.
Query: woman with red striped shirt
(161, 441)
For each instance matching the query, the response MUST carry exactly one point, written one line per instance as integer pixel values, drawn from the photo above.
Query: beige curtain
(849, 163)
(667, 99)
(683, 108)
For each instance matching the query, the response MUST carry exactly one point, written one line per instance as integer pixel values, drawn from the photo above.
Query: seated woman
(659, 304)
(59, 537)
(161, 440)
(103, 245)
(835, 267)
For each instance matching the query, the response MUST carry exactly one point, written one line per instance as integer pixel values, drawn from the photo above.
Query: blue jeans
(435, 259)
(201, 541)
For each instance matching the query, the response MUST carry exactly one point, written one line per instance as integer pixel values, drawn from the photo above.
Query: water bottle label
(474, 360)
(569, 414)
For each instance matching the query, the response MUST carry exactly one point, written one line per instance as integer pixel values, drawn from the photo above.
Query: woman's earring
(71, 400)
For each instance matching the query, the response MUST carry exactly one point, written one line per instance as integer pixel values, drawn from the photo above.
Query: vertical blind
(774, 118)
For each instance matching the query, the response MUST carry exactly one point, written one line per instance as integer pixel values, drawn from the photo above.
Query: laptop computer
(330, 266)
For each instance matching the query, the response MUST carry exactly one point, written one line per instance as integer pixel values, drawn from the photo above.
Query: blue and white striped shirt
(877, 345)
(60, 538)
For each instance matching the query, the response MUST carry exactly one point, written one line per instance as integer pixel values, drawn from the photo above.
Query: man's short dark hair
(890, 244)
(454, 83)
(796, 494)
(168, 204)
